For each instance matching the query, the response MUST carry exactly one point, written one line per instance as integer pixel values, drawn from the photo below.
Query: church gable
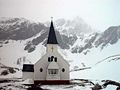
(52, 57)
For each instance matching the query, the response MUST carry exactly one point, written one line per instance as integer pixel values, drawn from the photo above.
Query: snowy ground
(103, 64)
(17, 85)
(75, 85)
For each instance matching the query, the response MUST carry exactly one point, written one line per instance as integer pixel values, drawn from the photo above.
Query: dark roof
(28, 68)
(52, 36)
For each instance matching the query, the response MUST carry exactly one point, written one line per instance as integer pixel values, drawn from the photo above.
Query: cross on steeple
(52, 48)
(51, 18)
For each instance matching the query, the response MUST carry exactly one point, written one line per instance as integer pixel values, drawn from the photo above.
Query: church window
(52, 57)
(49, 60)
(63, 70)
(53, 71)
(41, 69)
(55, 59)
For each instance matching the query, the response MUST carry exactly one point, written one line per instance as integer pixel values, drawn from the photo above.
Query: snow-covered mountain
(28, 35)
(72, 26)
(18, 29)
(24, 41)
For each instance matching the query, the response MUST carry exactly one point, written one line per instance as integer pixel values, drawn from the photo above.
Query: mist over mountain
(73, 26)
(71, 34)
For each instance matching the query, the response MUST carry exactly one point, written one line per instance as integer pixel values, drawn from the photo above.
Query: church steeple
(52, 36)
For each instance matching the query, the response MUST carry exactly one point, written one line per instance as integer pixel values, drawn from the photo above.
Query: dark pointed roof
(52, 36)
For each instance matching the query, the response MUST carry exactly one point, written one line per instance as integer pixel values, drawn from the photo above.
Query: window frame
(55, 59)
(53, 71)
(41, 69)
(63, 69)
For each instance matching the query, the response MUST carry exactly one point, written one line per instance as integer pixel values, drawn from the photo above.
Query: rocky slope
(77, 39)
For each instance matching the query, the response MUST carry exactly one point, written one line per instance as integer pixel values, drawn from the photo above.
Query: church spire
(52, 36)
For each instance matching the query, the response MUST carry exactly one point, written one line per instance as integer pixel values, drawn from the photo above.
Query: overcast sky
(100, 14)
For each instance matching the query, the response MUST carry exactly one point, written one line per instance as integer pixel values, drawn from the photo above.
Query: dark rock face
(109, 36)
(19, 29)
(34, 88)
(65, 41)
(7, 71)
(88, 44)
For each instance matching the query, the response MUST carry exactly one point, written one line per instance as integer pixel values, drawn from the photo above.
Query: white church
(52, 68)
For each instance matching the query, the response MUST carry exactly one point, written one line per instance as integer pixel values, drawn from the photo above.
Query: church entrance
(53, 72)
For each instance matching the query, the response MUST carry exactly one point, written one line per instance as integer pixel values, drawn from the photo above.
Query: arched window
(41, 70)
(63, 70)
(52, 57)
(55, 59)
(49, 60)
(53, 71)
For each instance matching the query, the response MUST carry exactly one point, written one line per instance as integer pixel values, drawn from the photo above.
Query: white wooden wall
(43, 63)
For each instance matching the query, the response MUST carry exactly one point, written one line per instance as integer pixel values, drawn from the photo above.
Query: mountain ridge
(22, 29)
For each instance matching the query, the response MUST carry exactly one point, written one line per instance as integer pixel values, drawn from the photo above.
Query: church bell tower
(52, 42)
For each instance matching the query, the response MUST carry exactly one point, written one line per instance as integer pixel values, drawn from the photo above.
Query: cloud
(98, 13)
